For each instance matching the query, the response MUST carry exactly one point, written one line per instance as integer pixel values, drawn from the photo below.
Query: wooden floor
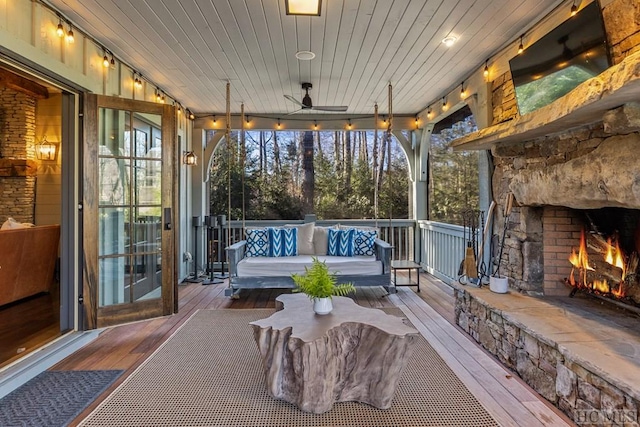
(510, 401)
(27, 325)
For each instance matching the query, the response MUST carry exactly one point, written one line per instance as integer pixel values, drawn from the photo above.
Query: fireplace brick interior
(561, 233)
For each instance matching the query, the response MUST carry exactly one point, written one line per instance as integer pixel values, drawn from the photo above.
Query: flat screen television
(572, 53)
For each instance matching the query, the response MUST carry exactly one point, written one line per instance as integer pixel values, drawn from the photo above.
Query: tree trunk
(308, 185)
(348, 163)
(276, 153)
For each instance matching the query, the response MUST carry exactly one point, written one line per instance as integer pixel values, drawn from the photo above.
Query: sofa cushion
(283, 242)
(321, 240)
(340, 242)
(257, 242)
(363, 241)
(305, 237)
(285, 266)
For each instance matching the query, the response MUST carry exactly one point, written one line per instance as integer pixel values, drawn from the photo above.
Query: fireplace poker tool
(464, 234)
(470, 264)
(485, 223)
(508, 204)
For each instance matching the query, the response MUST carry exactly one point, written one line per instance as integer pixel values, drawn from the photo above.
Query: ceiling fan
(306, 103)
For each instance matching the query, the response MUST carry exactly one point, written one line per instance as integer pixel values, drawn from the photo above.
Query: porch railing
(437, 247)
(442, 249)
(399, 233)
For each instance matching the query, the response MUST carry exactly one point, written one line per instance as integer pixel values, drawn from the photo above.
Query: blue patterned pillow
(363, 241)
(283, 242)
(257, 242)
(340, 242)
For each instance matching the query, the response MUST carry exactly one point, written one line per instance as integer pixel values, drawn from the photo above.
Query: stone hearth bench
(581, 355)
(258, 272)
(353, 354)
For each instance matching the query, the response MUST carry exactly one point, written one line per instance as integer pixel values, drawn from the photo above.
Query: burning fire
(580, 261)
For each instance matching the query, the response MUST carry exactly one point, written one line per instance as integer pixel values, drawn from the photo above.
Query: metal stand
(210, 223)
(195, 279)
(222, 221)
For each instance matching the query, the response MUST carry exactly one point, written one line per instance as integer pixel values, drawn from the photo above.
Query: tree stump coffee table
(352, 354)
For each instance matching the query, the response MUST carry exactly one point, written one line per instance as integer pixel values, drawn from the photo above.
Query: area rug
(53, 398)
(209, 373)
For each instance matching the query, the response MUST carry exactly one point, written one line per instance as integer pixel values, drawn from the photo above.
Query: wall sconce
(303, 7)
(46, 150)
(189, 158)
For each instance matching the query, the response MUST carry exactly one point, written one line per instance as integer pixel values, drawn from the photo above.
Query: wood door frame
(95, 316)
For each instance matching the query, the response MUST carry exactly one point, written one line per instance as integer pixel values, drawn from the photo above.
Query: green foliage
(273, 179)
(454, 177)
(317, 282)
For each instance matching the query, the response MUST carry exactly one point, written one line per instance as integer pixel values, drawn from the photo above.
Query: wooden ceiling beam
(21, 84)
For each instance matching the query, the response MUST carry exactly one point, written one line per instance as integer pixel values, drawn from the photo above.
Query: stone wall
(17, 138)
(622, 23)
(523, 261)
(560, 379)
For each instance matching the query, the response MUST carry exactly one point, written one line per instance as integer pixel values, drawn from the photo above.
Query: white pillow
(305, 237)
(321, 239)
(12, 224)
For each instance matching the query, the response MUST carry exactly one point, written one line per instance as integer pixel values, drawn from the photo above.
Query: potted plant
(320, 285)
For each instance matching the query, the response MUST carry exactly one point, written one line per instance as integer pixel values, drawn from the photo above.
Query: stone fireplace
(572, 165)
(18, 166)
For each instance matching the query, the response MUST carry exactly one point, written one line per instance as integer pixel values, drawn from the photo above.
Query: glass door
(128, 209)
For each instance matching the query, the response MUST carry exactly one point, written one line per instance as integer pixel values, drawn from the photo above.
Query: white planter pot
(499, 285)
(322, 305)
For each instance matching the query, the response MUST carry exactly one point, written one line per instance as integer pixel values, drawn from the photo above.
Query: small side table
(406, 265)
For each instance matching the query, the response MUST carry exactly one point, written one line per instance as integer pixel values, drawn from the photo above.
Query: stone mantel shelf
(586, 104)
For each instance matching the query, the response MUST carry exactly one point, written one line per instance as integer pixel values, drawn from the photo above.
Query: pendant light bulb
(463, 93)
(105, 61)
(574, 9)
(349, 124)
(315, 125)
(60, 29)
(486, 69)
(278, 126)
(191, 115)
(429, 114)
(215, 122)
(112, 63)
(70, 36)
(445, 107)
(521, 46)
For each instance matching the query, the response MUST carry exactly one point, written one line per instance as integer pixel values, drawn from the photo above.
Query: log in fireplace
(605, 261)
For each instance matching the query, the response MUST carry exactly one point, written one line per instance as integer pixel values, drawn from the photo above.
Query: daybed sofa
(27, 261)
(360, 258)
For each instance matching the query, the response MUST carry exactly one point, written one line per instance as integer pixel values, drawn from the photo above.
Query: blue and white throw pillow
(257, 242)
(340, 242)
(363, 241)
(283, 242)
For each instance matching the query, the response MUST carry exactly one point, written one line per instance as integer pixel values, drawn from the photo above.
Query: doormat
(209, 373)
(54, 398)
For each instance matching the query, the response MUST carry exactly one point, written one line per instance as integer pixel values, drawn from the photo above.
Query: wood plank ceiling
(190, 48)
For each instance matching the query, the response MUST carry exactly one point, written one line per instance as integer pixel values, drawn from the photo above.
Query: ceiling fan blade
(292, 99)
(330, 107)
(295, 112)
